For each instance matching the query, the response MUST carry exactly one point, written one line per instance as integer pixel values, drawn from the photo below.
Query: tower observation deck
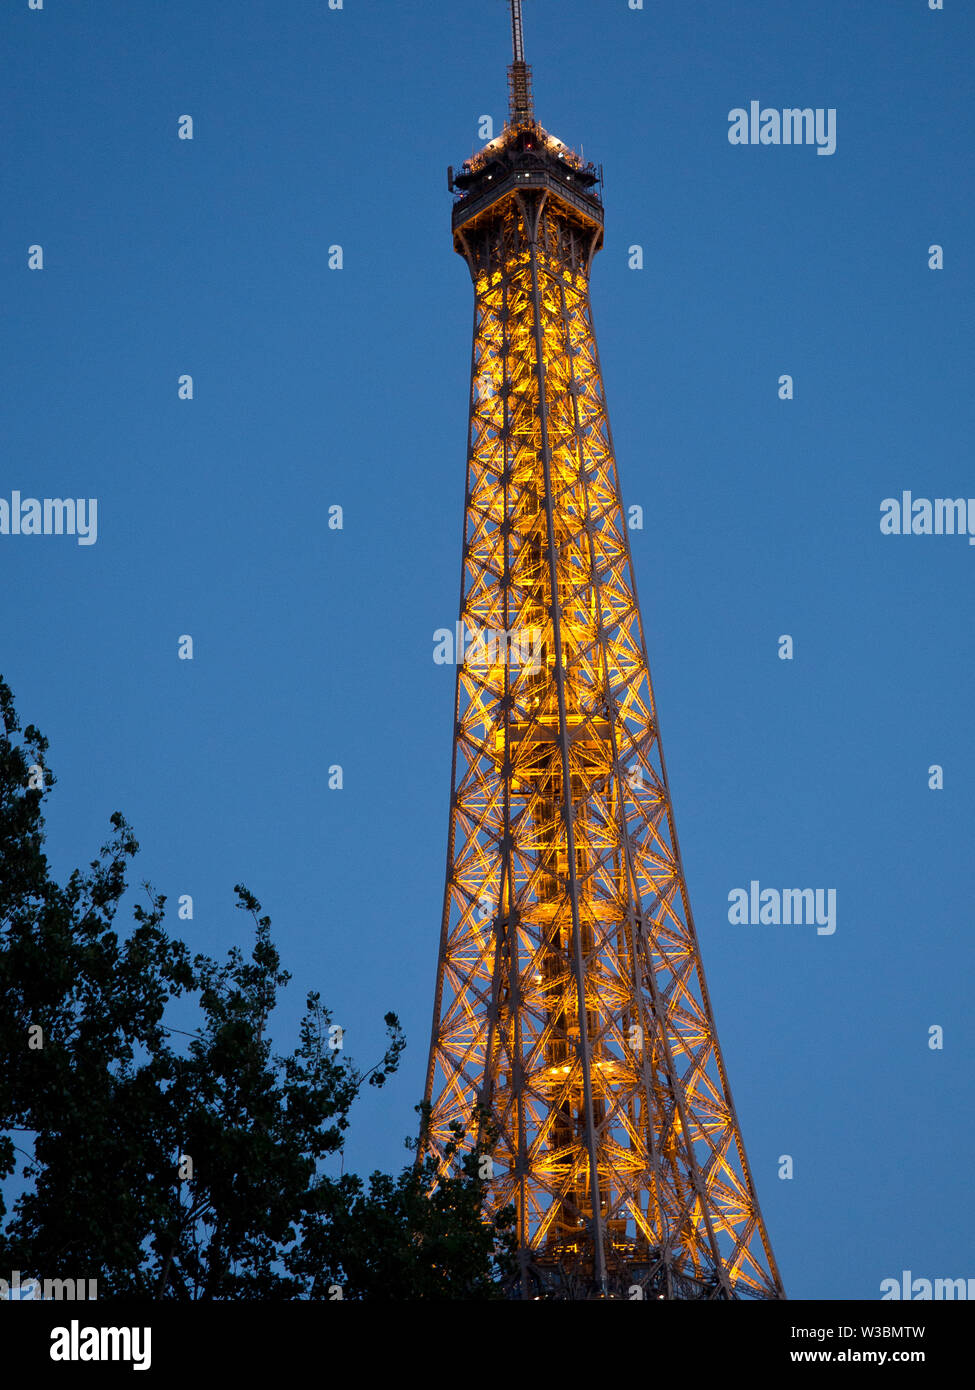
(570, 1002)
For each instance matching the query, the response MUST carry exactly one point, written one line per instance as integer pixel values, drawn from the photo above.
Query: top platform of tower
(525, 156)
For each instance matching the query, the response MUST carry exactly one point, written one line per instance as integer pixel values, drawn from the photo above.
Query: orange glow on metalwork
(570, 997)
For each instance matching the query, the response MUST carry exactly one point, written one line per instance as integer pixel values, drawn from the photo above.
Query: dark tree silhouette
(167, 1168)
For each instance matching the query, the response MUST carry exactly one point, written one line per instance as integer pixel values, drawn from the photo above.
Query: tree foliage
(191, 1170)
(413, 1236)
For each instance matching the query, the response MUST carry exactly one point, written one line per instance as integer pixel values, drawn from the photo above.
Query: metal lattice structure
(570, 1001)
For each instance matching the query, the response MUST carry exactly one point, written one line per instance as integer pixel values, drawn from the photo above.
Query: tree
(420, 1235)
(252, 1129)
(190, 1171)
(76, 1006)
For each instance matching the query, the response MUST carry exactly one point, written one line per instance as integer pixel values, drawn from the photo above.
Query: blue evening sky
(315, 127)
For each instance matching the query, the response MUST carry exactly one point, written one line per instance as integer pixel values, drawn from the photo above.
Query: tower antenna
(519, 73)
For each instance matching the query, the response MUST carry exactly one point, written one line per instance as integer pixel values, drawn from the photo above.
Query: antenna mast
(519, 73)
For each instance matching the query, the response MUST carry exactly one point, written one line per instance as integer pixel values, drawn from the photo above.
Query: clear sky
(315, 387)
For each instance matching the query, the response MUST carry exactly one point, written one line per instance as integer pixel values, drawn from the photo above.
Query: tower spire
(517, 34)
(519, 73)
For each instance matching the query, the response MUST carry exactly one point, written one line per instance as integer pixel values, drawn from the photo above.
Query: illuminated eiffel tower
(570, 999)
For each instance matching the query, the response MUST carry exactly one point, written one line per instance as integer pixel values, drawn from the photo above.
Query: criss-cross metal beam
(570, 1002)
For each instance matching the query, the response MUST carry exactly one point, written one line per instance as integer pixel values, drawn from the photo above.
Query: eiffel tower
(570, 1005)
